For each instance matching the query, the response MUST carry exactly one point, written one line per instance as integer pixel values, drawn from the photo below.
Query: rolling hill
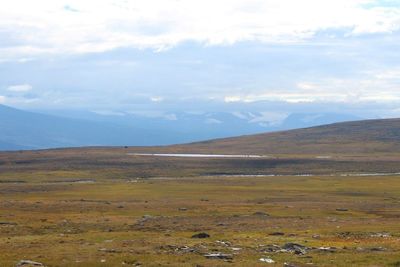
(371, 146)
(357, 137)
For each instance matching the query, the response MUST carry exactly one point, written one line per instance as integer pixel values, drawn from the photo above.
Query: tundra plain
(103, 207)
(323, 196)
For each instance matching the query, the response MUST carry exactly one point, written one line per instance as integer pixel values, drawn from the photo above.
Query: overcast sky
(126, 54)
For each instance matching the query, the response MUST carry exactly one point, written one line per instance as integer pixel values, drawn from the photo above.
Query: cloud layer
(133, 55)
(20, 88)
(73, 26)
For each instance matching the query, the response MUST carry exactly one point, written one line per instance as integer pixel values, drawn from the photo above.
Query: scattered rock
(378, 249)
(327, 249)
(224, 243)
(296, 248)
(289, 264)
(344, 235)
(271, 248)
(316, 236)
(381, 235)
(132, 263)
(8, 223)
(261, 213)
(341, 209)
(179, 249)
(201, 235)
(218, 255)
(267, 260)
(145, 218)
(277, 234)
(28, 263)
(109, 250)
(182, 209)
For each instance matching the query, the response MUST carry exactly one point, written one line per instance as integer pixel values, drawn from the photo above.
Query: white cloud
(170, 117)
(47, 26)
(240, 115)
(155, 114)
(306, 86)
(270, 118)
(156, 99)
(20, 88)
(2, 99)
(233, 98)
(380, 86)
(212, 121)
(109, 113)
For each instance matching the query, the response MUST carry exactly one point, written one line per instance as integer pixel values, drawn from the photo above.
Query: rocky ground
(200, 221)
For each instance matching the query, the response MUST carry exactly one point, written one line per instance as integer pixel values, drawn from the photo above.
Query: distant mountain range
(33, 130)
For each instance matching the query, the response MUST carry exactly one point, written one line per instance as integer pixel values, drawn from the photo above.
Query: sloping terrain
(110, 206)
(358, 137)
(355, 147)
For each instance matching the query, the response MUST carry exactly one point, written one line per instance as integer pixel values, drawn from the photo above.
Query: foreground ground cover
(337, 221)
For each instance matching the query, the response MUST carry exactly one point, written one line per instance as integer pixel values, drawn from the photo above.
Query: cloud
(109, 113)
(270, 118)
(380, 86)
(71, 9)
(212, 121)
(52, 26)
(2, 99)
(20, 88)
(156, 99)
(171, 117)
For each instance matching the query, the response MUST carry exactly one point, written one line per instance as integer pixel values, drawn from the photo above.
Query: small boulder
(218, 255)
(296, 248)
(327, 249)
(28, 263)
(377, 249)
(341, 209)
(267, 260)
(277, 234)
(201, 235)
(261, 213)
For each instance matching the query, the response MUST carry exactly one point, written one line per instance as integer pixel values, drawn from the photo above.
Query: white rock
(28, 263)
(267, 260)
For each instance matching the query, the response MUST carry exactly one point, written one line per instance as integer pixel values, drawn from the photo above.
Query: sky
(132, 55)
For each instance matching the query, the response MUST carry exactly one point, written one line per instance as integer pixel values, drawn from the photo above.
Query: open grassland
(106, 217)
(110, 207)
(119, 163)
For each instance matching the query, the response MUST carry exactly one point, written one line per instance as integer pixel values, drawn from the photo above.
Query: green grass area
(148, 221)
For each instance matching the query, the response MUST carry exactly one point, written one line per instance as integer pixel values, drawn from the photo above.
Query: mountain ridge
(21, 130)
